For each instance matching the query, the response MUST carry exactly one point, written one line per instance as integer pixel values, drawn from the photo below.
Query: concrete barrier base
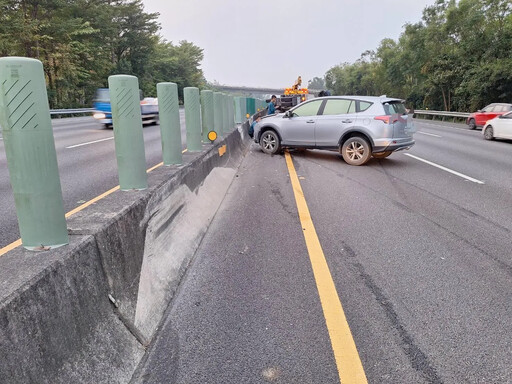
(84, 313)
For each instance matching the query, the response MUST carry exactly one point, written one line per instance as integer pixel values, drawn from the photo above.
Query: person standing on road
(272, 105)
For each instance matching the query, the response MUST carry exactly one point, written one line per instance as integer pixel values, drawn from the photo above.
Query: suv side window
(339, 107)
(308, 109)
(489, 108)
(499, 108)
(364, 105)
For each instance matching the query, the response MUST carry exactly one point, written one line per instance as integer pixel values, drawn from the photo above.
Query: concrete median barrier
(84, 313)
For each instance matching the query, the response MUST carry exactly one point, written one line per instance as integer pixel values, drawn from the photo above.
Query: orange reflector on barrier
(212, 136)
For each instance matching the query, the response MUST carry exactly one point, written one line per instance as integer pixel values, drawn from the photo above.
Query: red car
(479, 118)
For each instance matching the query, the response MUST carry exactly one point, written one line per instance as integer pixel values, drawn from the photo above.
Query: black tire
(489, 133)
(472, 124)
(356, 151)
(270, 143)
(382, 155)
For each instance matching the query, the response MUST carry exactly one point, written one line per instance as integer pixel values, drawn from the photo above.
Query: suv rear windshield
(392, 107)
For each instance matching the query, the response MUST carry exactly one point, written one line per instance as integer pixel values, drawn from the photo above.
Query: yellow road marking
(92, 201)
(222, 150)
(17, 243)
(155, 167)
(350, 368)
(10, 247)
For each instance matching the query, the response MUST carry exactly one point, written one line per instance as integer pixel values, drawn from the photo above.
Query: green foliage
(82, 42)
(457, 57)
(316, 83)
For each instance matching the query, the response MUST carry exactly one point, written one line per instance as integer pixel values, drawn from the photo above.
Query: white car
(499, 127)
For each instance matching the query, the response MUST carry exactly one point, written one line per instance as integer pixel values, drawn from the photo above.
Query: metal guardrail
(442, 114)
(420, 112)
(75, 111)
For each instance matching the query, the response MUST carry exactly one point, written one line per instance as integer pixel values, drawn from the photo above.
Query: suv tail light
(389, 119)
(384, 118)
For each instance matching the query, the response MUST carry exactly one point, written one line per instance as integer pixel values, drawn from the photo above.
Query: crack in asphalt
(418, 359)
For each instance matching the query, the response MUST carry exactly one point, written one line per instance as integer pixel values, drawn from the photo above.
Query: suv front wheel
(270, 143)
(356, 151)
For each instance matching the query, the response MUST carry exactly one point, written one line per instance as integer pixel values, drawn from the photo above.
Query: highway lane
(420, 258)
(86, 171)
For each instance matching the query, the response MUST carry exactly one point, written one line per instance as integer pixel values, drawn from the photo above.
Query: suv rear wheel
(356, 151)
(472, 124)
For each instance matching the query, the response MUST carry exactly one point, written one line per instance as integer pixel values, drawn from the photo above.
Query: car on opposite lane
(359, 127)
(499, 127)
(480, 117)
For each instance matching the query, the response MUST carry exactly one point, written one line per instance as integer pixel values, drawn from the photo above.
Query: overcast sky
(270, 43)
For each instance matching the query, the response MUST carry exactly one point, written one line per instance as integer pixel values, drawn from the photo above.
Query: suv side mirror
(287, 114)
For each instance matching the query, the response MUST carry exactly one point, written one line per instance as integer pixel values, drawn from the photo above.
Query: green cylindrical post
(243, 108)
(128, 137)
(30, 151)
(231, 112)
(170, 128)
(238, 112)
(229, 125)
(225, 114)
(222, 112)
(207, 114)
(252, 106)
(248, 103)
(192, 118)
(217, 113)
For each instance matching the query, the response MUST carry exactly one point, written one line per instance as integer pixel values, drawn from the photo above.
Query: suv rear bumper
(392, 145)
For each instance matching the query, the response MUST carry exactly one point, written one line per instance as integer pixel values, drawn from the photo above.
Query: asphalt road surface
(420, 257)
(87, 165)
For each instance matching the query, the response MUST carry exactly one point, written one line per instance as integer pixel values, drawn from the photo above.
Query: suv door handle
(310, 121)
(346, 121)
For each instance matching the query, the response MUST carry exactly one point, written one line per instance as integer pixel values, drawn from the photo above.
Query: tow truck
(293, 96)
(103, 109)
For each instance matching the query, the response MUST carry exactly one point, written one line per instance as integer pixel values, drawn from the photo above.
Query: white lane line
(90, 142)
(445, 169)
(428, 134)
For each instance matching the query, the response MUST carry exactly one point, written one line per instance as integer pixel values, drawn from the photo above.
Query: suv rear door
(399, 119)
(337, 116)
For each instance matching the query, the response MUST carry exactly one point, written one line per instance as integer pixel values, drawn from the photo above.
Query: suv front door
(299, 128)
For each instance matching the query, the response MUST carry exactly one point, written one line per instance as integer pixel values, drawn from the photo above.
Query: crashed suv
(356, 126)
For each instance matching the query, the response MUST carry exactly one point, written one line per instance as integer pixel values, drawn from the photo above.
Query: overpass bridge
(255, 91)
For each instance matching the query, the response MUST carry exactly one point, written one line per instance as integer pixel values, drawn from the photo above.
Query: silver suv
(359, 127)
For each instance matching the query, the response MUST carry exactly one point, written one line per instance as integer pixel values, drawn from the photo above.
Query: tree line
(457, 58)
(82, 42)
